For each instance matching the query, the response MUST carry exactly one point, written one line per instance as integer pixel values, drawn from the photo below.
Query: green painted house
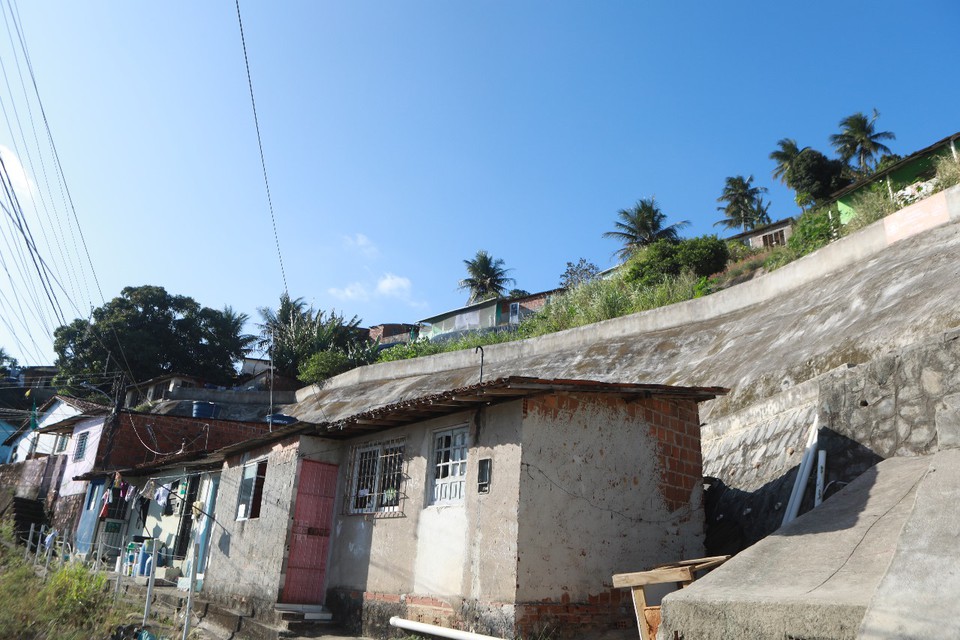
(906, 181)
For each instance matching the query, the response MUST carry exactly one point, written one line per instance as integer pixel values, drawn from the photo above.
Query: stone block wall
(889, 406)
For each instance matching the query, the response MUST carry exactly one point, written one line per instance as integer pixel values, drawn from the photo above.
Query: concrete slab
(811, 579)
(919, 597)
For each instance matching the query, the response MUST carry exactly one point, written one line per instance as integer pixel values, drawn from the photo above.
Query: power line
(263, 163)
(43, 166)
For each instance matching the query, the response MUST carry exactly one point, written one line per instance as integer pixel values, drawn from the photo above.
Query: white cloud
(353, 291)
(22, 183)
(388, 286)
(361, 244)
(394, 286)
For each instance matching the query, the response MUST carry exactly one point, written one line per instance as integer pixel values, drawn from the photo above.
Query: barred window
(80, 449)
(377, 478)
(450, 465)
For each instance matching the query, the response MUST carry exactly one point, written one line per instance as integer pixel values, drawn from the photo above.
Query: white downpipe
(434, 630)
(803, 474)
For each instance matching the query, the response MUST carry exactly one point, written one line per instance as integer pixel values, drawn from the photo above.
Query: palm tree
(786, 153)
(294, 332)
(486, 277)
(761, 212)
(642, 224)
(858, 138)
(744, 206)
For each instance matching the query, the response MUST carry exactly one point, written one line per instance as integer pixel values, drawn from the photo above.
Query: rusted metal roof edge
(500, 390)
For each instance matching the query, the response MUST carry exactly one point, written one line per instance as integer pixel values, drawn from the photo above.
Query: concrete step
(812, 578)
(917, 597)
(303, 612)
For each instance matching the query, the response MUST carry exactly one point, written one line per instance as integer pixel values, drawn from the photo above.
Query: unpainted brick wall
(131, 437)
(675, 426)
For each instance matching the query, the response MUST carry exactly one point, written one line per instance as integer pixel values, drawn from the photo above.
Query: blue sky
(401, 137)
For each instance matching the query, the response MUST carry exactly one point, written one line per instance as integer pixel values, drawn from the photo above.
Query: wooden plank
(654, 576)
(710, 565)
(685, 563)
(639, 604)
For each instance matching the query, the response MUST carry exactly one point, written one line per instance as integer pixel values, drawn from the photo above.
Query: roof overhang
(67, 424)
(435, 405)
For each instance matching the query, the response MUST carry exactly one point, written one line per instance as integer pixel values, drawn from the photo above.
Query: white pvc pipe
(803, 474)
(821, 476)
(434, 630)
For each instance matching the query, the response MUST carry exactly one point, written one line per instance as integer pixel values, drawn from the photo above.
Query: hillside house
(98, 445)
(503, 506)
(157, 389)
(770, 235)
(906, 181)
(169, 502)
(495, 314)
(31, 441)
(393, 333)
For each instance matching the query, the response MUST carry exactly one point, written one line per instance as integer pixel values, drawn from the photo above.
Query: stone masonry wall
(887, 407)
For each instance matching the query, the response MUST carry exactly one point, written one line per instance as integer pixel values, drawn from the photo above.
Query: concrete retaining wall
(937, 210)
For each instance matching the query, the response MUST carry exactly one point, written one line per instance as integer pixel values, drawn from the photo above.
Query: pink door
(310, 537)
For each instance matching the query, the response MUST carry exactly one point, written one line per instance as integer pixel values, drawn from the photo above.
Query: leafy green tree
(787, 151)
(581, 272)
(642, 224)
(859, 140)
(486, 277)
(146, 332)
(743, 206)
(814, 229)
(517, 293)
(815, 177)
(6, 361)
(293, 333)
(701, 256)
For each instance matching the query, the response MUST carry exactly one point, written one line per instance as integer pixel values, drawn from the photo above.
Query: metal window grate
(377, 476)
(81, 449)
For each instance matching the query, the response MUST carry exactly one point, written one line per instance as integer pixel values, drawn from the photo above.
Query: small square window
(376, 478)
(61, 444)
(251, 490)
(450, 465)
(81, 449)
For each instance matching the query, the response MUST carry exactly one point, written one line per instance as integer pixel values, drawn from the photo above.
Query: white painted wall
(58, 411)
(94, 428)
(452, 551)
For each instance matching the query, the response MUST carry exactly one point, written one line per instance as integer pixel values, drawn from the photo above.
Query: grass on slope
(73, 604)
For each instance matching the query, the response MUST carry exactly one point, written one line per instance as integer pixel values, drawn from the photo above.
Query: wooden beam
(380, 422)
(639, 605)
(654, 576)
(701, 563)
